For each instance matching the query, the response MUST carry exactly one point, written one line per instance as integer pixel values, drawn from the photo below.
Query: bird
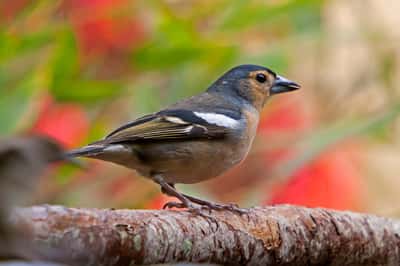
(197, 138)
(23, 159)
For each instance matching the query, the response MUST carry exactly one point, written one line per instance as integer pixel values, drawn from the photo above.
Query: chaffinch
(197, 138)
(22, 161)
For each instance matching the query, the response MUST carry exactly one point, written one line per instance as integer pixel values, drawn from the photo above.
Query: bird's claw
(196, 209)
(173, 204)
(179, 205)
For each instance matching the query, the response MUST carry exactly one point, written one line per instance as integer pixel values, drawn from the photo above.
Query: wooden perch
(280, 235)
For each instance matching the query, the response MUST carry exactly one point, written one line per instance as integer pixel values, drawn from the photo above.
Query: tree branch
(281, 235)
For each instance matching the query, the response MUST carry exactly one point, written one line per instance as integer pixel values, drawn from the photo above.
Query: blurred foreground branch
(281, 235)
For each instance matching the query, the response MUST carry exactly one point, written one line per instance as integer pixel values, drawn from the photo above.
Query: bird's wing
(175, 124)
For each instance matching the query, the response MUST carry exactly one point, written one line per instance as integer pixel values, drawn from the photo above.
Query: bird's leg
(208, 204)
(170, 190)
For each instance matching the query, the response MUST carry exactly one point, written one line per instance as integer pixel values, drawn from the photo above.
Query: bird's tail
(87, 151)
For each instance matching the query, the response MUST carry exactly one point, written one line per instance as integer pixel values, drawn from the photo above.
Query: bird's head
(47, 149)
(252, 83)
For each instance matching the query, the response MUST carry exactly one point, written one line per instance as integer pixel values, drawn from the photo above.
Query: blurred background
(76, 69)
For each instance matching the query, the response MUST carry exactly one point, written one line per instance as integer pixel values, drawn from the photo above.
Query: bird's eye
(261, 78)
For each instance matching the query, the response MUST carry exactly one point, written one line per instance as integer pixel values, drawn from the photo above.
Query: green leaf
(175, 42)
(243, 14)
(86, 91)
(157, 56)
(65, 62)
(66, 173)
(35, 40)
(67, 81)
(8, 45)
(141, 98)
(14, 46)
(14, 103)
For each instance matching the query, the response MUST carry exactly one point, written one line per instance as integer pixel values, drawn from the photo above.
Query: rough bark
(280, 235)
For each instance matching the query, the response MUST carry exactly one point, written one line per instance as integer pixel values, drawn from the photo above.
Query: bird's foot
(193, 204)
(202, 205)
(217, 206)
(225, 207)
(194, 209)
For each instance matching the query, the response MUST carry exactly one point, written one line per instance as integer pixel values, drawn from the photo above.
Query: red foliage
(102, 27)
(331, 180)
(66, 122)
(8, 9)
(103, 35)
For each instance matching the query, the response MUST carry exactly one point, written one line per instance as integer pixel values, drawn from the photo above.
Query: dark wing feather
(166, 125)
(138, 121)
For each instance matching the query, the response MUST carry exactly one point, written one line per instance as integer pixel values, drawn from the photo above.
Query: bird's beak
(283, 85)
